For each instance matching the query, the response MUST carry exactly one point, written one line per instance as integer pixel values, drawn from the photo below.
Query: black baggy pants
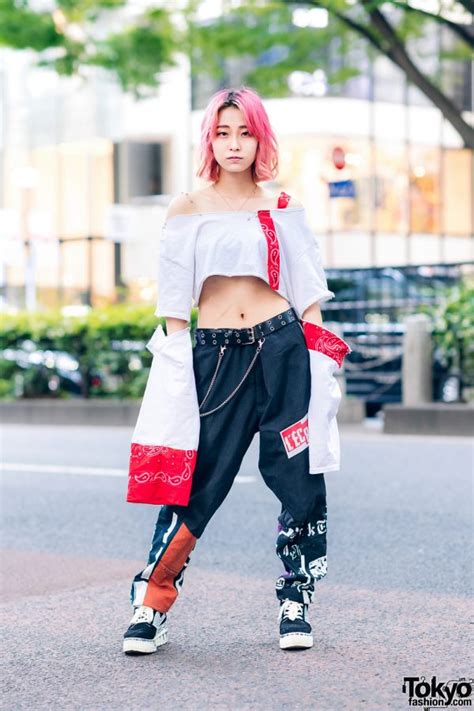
(273, 400)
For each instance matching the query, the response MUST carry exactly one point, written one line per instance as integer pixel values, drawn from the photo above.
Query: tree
(76, 34)
(73, 35)
(259, 29)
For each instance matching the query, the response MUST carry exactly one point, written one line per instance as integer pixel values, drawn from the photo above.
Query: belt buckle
(250, 328)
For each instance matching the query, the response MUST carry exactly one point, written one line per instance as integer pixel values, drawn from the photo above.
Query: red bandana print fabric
(321, 339)
(268, 227)
(160, 475)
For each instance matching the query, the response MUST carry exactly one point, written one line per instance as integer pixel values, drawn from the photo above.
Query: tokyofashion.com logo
(456, 692)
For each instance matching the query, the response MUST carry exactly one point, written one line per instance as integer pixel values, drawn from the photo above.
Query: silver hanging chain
(246, 199)
(219, 361)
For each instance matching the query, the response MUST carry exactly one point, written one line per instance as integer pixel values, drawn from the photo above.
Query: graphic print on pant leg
(295, 437)
(302, 549)
(159, 584)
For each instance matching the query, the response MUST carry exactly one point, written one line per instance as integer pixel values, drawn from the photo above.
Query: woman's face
(233, 139)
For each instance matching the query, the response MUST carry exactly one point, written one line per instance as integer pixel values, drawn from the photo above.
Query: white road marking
(61, 469)
(85, 471)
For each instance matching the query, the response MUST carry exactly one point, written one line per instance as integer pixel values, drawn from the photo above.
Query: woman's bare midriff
(237, 302)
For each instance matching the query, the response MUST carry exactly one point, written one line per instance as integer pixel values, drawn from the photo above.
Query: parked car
(41, 373)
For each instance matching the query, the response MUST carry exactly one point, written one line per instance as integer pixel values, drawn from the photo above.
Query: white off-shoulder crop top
(276, 245)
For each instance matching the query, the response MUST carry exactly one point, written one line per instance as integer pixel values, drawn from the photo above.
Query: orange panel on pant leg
(161, 592)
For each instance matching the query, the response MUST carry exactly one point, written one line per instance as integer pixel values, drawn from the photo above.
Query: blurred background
(101, 104)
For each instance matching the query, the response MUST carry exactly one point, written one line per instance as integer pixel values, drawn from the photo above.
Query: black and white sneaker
(147, 631)
(295, 630)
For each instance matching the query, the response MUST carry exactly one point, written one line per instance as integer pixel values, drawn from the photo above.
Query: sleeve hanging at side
(176, 271)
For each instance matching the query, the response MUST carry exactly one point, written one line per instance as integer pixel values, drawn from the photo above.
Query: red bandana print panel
(321, 339)
(160, 475)
(268, 227)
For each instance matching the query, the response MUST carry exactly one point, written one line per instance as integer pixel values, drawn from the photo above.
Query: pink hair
(265, 165)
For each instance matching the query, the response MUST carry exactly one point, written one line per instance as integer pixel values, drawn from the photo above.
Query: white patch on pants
(318, 567)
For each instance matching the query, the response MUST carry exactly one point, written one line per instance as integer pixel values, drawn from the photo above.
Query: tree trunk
(398, 54)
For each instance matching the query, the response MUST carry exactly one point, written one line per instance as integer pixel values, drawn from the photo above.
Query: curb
(97, 411)
(455, 419)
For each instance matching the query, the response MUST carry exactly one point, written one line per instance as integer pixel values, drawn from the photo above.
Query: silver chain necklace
(228, 203)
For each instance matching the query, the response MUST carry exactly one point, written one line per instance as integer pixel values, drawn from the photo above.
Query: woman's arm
(174, 324)
(313, 314)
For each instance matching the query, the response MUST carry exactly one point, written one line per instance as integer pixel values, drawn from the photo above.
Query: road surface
(395, 601)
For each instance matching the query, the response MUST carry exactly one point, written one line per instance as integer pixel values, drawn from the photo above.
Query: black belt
(244, 336)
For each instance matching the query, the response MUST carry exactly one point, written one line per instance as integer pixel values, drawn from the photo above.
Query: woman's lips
(234, 158)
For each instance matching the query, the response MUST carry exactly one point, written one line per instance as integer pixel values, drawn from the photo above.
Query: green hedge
(110, 341)
(453, 329)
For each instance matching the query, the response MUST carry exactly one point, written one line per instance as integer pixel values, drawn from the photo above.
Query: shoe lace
(143, 614)
(292, 610)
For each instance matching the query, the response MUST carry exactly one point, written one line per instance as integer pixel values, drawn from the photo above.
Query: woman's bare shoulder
(201, 200)
(181, 204)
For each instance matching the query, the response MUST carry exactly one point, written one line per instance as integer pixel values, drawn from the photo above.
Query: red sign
(338, 157)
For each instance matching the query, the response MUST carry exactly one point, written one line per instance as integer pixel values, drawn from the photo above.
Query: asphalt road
(397, 599)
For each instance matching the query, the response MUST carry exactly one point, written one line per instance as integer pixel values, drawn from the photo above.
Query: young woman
(262, 362)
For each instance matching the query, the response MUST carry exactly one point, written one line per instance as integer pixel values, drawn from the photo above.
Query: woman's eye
(224, 133)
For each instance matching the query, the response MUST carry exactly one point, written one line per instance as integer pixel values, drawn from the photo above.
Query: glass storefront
(391, 204)
(62, 213)
(307, 168)
(457, 191)
(424, 176)
(398, 188)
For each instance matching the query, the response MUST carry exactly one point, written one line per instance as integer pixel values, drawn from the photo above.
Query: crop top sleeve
(176, 270)
(307, 279)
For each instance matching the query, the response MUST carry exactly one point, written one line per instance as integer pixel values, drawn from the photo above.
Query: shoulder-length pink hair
(265, 165)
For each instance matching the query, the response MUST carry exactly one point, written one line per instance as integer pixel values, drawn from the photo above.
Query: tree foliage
(136, 47)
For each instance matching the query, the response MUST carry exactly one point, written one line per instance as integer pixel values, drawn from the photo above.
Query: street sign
(339, 157)
(341, 188)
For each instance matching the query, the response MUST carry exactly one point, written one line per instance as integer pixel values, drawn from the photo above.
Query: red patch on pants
(296, 437)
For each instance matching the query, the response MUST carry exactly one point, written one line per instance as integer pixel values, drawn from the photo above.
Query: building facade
(86, 173)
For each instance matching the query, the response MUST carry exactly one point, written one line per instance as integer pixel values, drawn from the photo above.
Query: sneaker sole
(296, 640)
(136, 645)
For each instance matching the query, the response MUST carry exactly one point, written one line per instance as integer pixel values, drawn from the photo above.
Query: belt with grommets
(244, 336)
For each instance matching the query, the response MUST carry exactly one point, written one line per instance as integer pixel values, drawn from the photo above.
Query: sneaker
(147, 631)
(295, 630)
